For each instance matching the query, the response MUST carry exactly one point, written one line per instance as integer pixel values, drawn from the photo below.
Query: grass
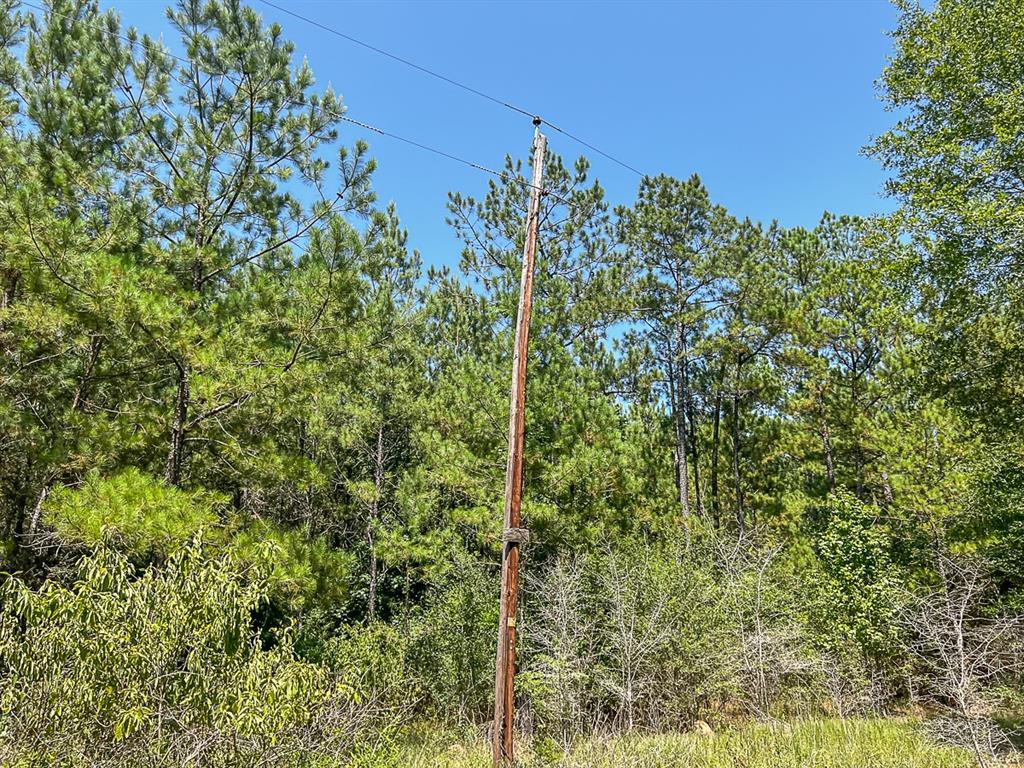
(892, 743)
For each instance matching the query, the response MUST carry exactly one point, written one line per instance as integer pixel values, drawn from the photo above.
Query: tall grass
(805, 744)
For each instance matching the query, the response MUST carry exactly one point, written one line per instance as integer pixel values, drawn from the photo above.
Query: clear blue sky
(770, 102)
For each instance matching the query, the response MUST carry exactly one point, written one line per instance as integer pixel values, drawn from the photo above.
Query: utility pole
(513, 535)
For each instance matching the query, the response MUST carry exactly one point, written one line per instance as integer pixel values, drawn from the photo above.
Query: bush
(858, 598)
(655, 637)
(453, 642)
(374, 660)
(434, 662)
(860, 590)
(162, 668)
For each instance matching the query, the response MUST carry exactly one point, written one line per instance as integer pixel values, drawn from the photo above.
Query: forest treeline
(252, 451)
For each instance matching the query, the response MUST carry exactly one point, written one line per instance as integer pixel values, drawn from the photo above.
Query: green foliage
(453, 642)
(141, 514)
(374, 660)
(161, 667)
(146, 517)
(956, 161)
(436, 659)
(745, 443)
(957, 74)
(860, 588)
(302, 571)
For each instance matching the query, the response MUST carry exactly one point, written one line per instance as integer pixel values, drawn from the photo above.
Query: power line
(601, 152)
(503, 175)
(450, 81)
(399, 59)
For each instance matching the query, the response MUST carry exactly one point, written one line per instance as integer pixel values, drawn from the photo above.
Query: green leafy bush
(162, 668)
(435, 661)
(453, 643)
(372, 659)
(860, 589)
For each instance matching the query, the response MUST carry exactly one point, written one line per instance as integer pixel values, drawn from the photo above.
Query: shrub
(860, 589)
(453, 642)
(374, 660)
(435, 661)
(162, 668)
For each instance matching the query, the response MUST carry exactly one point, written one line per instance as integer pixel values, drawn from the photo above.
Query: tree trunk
(694, 453)
(887, 490)
(371, 523)
(716, 502)
(737, 478)
(682, 481)
(175, 453)
(670, 372)
(679, 414)
(858, 449)
(830, 464)
(183, 398)
(37, 510)
(10, 288)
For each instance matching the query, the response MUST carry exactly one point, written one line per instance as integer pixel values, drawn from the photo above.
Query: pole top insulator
(537, 121)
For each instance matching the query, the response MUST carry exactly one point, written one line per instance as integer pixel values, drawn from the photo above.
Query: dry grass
(806, 744)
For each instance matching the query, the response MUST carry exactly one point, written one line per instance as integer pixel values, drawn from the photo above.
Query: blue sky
(770, 102)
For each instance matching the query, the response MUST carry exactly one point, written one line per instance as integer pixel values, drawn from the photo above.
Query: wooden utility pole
(513, 535)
